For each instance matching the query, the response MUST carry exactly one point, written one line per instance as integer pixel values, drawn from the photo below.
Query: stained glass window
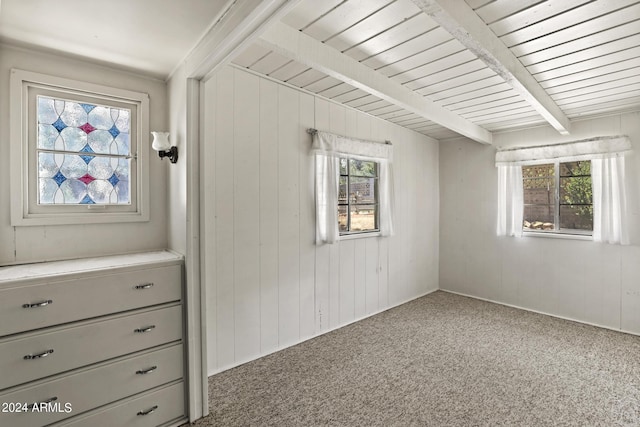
(83, 153)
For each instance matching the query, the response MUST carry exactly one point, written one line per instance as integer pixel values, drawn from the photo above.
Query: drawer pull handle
(38, 356)
(38, 304)
(143, 286)
(148, 411)
(44, 402)
(146, 371)
(145, 329)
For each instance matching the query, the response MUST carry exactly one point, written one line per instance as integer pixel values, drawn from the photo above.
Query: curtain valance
(330, 144)
(588, 149)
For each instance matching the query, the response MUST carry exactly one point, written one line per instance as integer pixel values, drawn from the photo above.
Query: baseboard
(242, 362)
(542, 312)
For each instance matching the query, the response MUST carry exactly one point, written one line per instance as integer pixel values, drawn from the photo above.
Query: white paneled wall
(268, 285)
(576, 279)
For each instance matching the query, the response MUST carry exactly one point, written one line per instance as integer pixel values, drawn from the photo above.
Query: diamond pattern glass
(83, 153)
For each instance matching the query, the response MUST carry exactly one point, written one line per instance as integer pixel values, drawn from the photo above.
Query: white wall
(40, 243)
(177, 174)
(268, 285)
(582, 280)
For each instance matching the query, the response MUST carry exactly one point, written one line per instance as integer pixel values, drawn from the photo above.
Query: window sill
(358, 235)
(19, 220)
(555, 235)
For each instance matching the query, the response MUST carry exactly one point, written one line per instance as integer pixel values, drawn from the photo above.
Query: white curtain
(609, 200)
(328, 148)
(327, 170)
(510, 200)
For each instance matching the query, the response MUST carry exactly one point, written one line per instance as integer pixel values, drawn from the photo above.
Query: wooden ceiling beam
(237, 26)
(464, 24)
(302, 48)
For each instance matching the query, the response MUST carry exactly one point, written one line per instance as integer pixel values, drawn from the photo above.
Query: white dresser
(93, 342)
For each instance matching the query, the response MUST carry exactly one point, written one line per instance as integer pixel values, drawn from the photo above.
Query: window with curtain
(354, 187)
(571, 188)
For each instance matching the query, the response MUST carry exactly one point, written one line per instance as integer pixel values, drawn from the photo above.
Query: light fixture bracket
(171, 153)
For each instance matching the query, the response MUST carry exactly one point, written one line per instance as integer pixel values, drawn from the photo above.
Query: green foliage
(577, 187)
(362, 168)
(538, 177)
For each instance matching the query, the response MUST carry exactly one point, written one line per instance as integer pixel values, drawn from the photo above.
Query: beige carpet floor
(441, 360)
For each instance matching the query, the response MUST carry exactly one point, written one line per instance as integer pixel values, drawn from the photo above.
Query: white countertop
(56, 268)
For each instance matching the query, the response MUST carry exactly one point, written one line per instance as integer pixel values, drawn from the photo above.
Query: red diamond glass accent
(87, 128)
(86, 178)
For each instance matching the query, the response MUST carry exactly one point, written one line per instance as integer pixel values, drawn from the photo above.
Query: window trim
(366, 233)
(22, 173)
(557, 231)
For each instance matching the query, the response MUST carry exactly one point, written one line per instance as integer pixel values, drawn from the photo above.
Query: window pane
(342, 190)
(575, 183)
(362, 190)
(539, 191)
(85, 179)
(575, 191)
(362, 168)
(74, 139)
(575, 168)
(538, 217)
(539, 197)
(342, 218)
(100, 118)
(576, 217)
(104, 129)
(363, 217)
(576, 196)
(86, 129)
(343, 166)
(538, 171)
(47, 136)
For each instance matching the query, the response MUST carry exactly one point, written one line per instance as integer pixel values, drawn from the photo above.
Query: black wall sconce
(162, 145)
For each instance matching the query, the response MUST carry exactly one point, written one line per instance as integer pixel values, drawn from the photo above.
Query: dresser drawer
(82, 391)
(67, 348)
(160, 406)
(30, 307)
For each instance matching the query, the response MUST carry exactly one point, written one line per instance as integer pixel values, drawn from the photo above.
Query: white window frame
(363, 233)
(556, 208)
(25, 85)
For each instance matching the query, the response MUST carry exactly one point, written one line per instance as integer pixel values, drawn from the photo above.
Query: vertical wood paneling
(398, 261)
(322, 251)
(376, 130)
(268, 216)
(423, 214)
(359, 282)
(207, 228)
(371, 276)
(273, 286)
(347, 280)
(288, 216)
(224, 220)
(412, 287)
(246, 230)
(307, 218)
(337, 124)
(383, 274)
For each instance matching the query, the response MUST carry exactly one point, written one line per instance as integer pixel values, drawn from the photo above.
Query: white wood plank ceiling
(580, 57)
